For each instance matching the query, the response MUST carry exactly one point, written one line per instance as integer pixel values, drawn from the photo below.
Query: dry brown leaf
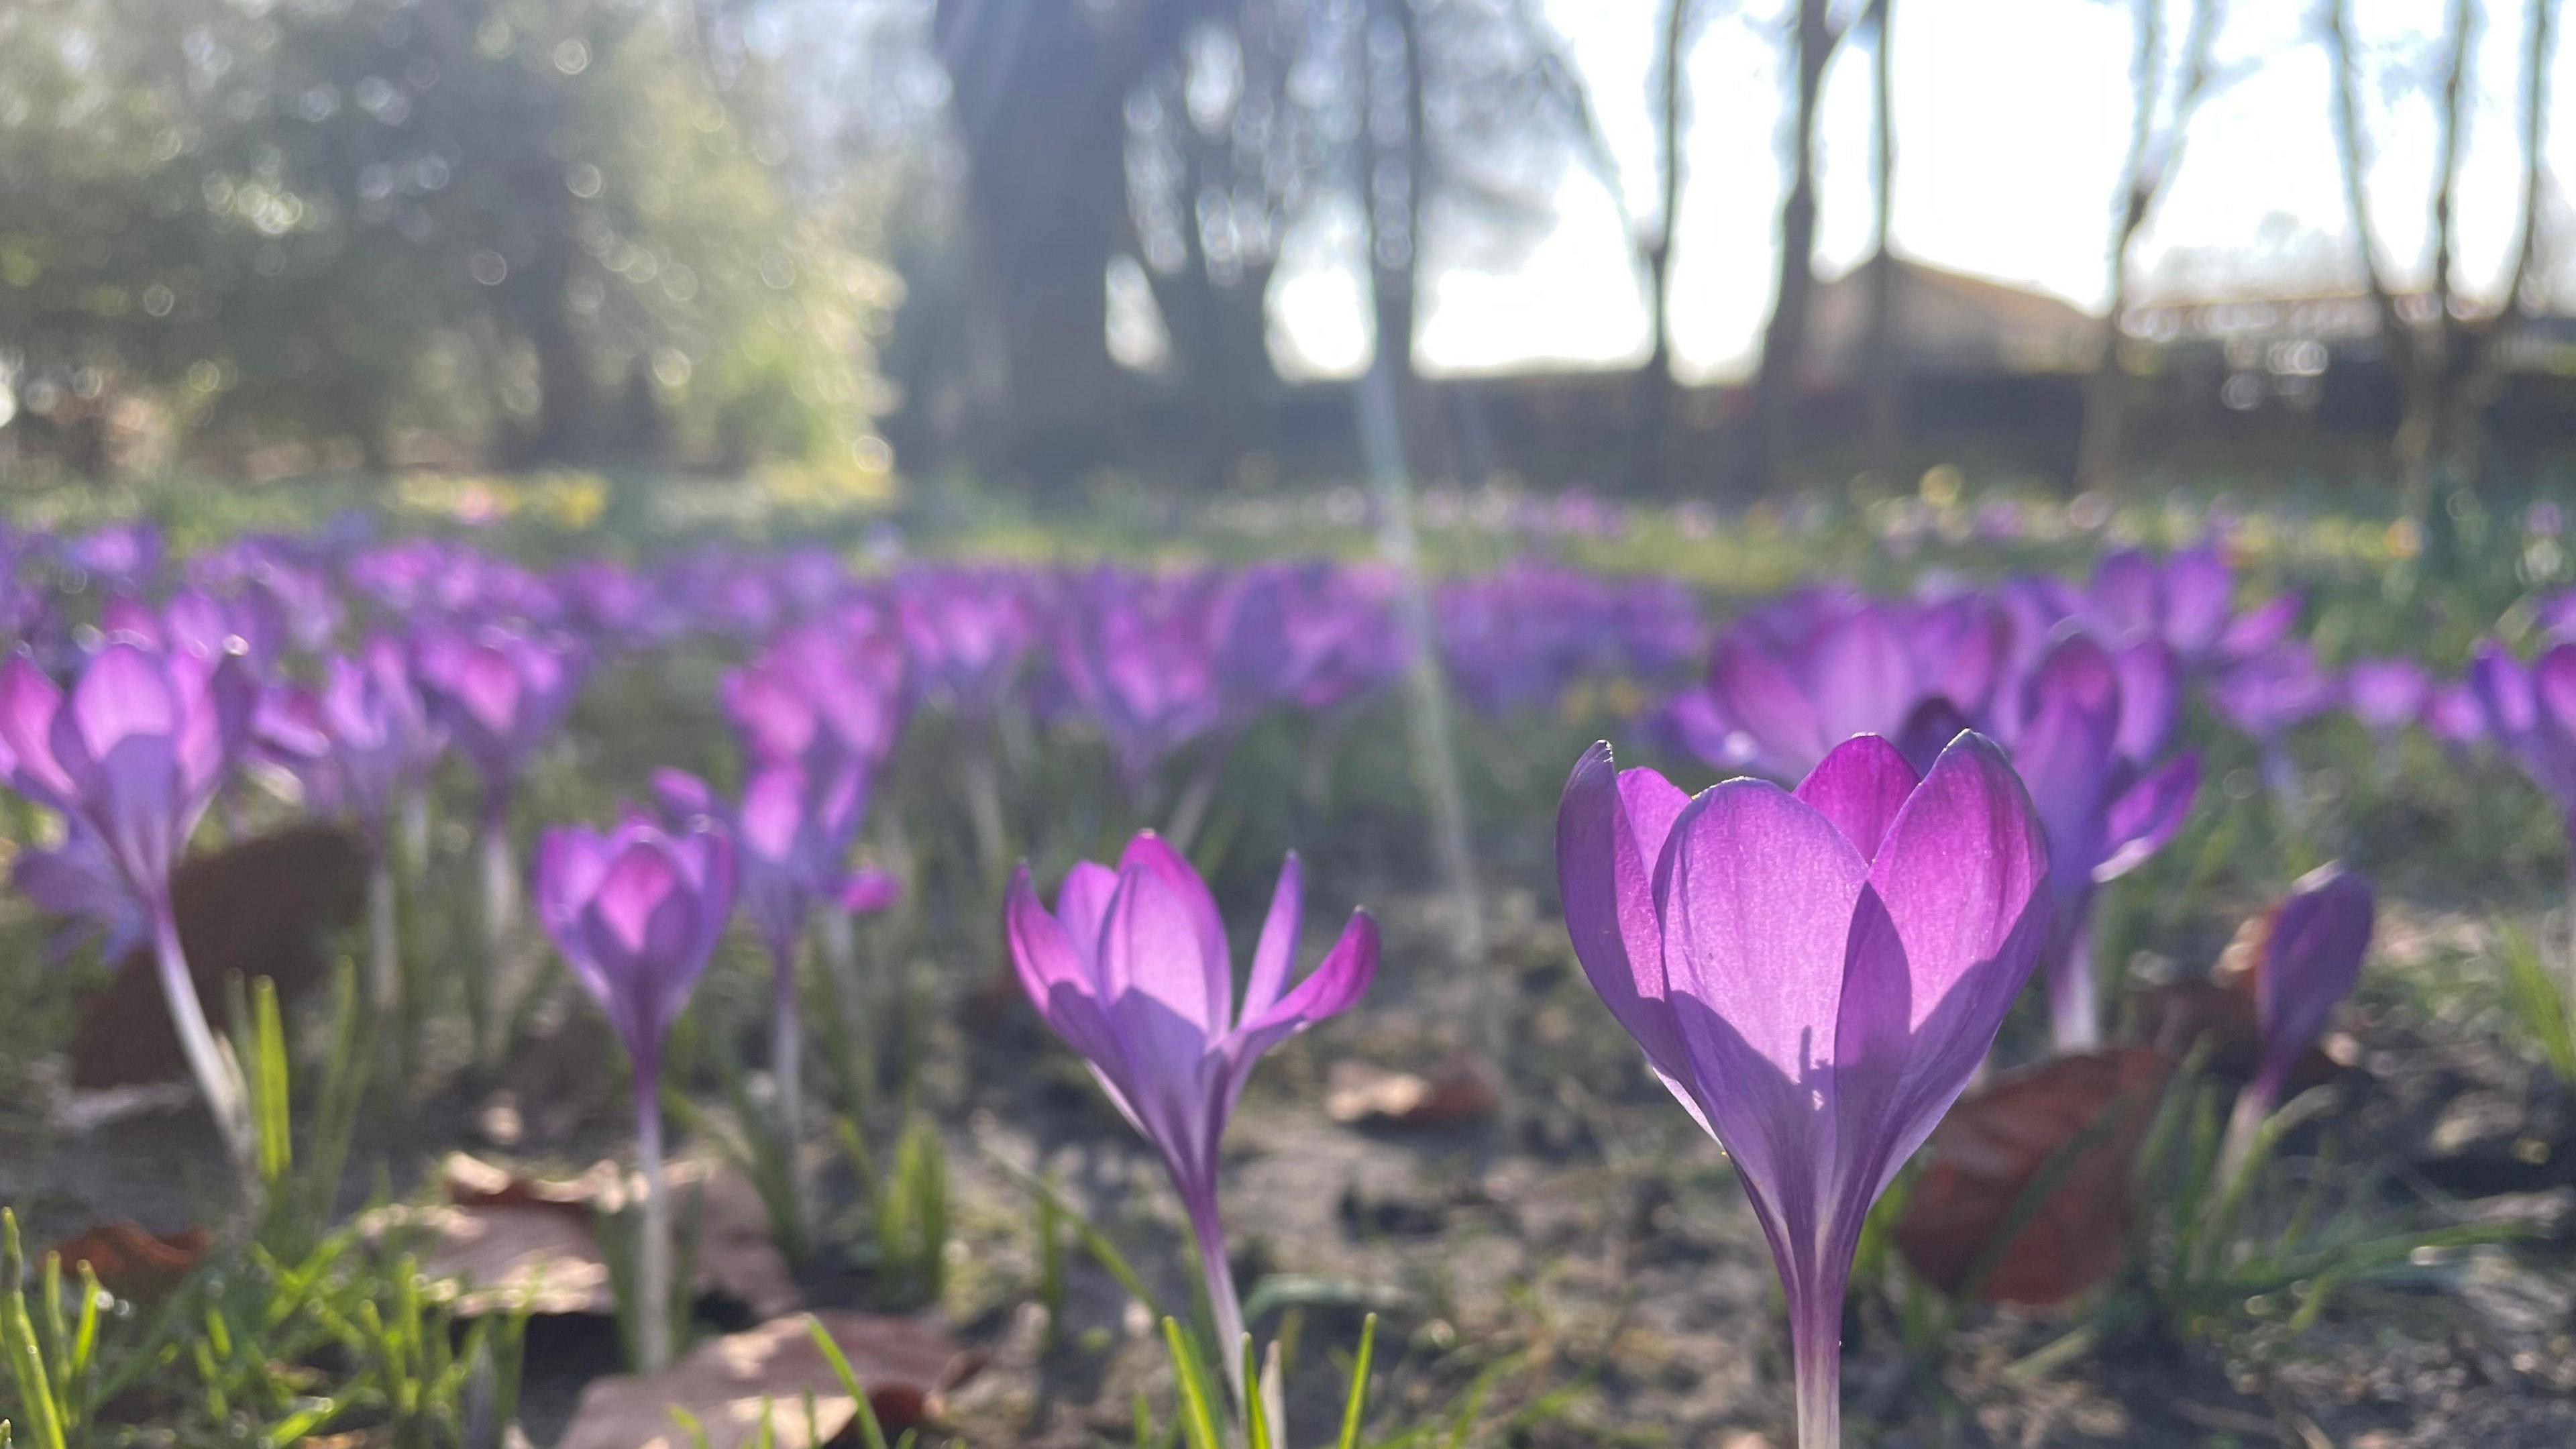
(133, 1262)
(507, 1256)
(496, 1237)
(1995, 1144)
(728, 1384)
(260, 908)
(1462, 1089)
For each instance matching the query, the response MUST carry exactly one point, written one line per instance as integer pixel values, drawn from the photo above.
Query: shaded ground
(1591, 1263)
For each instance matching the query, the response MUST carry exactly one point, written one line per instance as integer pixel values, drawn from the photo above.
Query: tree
(1814, 35)
(533, 231)
(1885, 384)
(2449, 361)
(2156, 133)
(1039, 94)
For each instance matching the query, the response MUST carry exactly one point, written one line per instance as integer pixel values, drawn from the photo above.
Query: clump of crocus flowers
(1131, 969)
(1814, 974)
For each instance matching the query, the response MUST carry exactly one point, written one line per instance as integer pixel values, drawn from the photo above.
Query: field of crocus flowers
(551, 963)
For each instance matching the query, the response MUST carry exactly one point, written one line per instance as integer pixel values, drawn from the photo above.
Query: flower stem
(787, 1046)
(219, 1078)
(1816, 1356)
(984, 806)
(653, 1248)
(384, 957)
(2074, 1005)
(840, 952)
(1208, 1229)
(500, 913)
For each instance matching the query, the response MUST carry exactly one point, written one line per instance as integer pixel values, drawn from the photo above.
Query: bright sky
(2011, 119)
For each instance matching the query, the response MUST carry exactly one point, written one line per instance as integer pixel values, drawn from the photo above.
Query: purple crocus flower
(1815, 976)
(378, 740)
(2387, 695)
(132, 755)
(2104, 813)
(819, 697)
(124, 555)
(1135, 654)
(2454, 716)
(499, 692)
(2185, 600)
(2269, 693)
(636, 913)
(368, 750)
(282, 578)
(1801, 678)
(1131, 969)
(77, 881)
(2311, 961)
(2530, 713)
(790, 834)
(968, 631)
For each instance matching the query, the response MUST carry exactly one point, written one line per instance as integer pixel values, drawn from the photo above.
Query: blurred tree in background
(362, 231)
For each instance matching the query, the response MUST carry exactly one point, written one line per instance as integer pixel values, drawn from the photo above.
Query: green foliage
(533, 227)
(2226, 1247)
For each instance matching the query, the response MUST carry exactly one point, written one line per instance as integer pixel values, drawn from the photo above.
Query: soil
(1589, 1255)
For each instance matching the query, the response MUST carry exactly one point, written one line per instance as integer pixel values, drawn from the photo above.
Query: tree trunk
(1784, 338)
(1886, 380)
(1658, 447)
(1396, 155)
(1039, 91)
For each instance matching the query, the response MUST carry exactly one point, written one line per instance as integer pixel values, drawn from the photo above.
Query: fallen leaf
(1462, 1089)
(1991, 1150)
(261, 908)
(469, 1181)
(503, 1257)
(2221, 1011)
(728, 1384)
(133, 1262)
(506, 1232)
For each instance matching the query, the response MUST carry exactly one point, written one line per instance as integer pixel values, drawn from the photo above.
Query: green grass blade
(1198, 1418)
(1355, 1407)
(871, 1432)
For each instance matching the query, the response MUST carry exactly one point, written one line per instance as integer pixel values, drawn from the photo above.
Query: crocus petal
(1333, 987)
(2311, 961)
(682, 794)
(2197, 596)
(865, 892)
(1963, 879)
(1864, 677)
(28, 703)
(1082, 903)
(1756, 891)
(2261, 627)
(1042, 950)
(630, 895)
(2150, 698)
(1276, 951)
(1605, 877)
(1165, 940)
(123, 693)
(2127, 594)
(2147, 814)
(1928, 731)
(1758, 692)
(1860, 787)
